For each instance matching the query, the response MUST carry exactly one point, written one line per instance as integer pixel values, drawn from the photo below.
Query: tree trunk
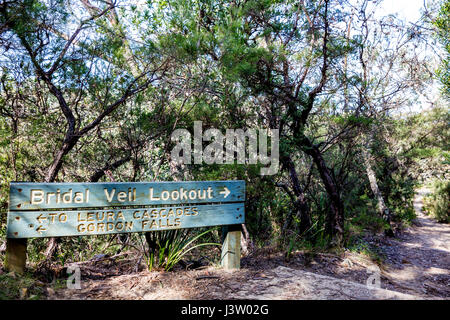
(52, 172)
(383, 210)
(247, 245)
(301, 209)
(101, 172)
(335, 219)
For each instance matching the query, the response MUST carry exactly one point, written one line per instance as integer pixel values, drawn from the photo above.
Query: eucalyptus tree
(281, 53)
(58, 50)
(387, 74)
(442, 25)
(68, 68)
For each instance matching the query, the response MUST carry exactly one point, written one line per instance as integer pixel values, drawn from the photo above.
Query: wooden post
(231, 247)
(16, 255)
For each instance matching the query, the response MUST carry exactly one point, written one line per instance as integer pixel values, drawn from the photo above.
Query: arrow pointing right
(225, 192)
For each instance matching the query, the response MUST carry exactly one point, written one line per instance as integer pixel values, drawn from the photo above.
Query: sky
(409, 9)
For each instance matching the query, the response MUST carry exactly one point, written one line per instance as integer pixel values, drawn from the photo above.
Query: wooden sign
(79, 209)
(60, 209)
(38, 196)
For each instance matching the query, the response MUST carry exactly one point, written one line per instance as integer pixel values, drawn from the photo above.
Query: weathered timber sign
(26, 196)
(61, 209)
(78, 209)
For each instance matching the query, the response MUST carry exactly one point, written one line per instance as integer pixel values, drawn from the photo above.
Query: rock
(298, 284)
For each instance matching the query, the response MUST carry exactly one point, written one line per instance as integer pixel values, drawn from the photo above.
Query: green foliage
(360, 245)
(437, 204)
(368, 220)
(352, 120)
(167, 248)
(401, 198)
(230, 64)
(442, 23)
(24, 287)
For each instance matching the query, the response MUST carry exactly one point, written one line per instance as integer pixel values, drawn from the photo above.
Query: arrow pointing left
(41, 218)
(40, 229)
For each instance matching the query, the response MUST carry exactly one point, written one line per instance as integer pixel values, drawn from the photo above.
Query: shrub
(437, 204)
(167, 247)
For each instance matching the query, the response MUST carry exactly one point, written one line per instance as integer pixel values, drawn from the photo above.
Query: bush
(437, 204)
(13, 287)
(167, 247)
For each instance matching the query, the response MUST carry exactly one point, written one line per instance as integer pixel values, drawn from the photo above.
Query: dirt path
(416, 266)
(418, 260)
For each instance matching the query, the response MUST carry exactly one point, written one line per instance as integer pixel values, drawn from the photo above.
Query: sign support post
(231, 247)
(16, 255)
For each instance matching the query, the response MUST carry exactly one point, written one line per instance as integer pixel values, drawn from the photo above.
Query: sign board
(77, 209)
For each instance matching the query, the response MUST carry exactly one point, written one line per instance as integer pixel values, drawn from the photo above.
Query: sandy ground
(416, 266)
(419, 260)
